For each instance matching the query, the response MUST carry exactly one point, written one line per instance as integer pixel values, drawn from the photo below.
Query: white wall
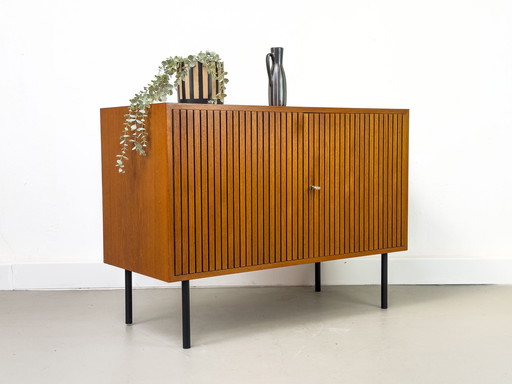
(449, 62)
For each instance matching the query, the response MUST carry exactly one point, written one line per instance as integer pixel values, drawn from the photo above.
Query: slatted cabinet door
(361, 168)
(240, 187)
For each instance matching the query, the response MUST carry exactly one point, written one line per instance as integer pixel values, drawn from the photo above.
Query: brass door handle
(314, 187)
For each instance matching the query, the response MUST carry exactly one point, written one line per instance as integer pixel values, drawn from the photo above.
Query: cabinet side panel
(135, 204)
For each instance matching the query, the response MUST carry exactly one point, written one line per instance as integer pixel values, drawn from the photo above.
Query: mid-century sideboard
(230, 188)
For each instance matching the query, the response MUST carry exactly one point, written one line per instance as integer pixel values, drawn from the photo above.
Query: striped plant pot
(198, 87)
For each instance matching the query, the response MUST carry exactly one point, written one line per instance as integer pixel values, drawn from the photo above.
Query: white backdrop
(448, 61)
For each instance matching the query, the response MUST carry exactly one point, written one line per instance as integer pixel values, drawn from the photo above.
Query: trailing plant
(134, 130)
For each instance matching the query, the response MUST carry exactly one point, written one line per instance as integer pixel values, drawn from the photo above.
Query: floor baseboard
(357, 271)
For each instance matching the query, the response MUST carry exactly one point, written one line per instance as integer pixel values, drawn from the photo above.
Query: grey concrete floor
(429, 334)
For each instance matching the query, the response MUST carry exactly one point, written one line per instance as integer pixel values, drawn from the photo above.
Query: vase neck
(277, 52)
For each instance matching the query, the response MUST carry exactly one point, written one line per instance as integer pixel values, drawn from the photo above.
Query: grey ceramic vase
(276, 77)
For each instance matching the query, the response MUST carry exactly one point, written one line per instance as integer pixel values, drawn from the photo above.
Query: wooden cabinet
(227, 189)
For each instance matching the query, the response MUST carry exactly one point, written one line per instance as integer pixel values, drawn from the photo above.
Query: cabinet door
(360, 164)
(273, 178)
(239, 186)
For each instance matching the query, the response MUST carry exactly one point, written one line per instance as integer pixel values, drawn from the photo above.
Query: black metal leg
(128, 296)
(318, 282)
(185, 311)
(384, 281)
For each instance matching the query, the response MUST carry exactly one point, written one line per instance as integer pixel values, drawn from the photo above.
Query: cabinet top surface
(263, 108)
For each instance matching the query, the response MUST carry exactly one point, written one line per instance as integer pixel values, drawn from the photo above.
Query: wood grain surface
(226, 189)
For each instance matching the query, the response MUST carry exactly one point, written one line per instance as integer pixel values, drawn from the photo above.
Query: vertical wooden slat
(390, 179)
(264, 130)
(321, 179)
(278, 186)
(352, 157)
(362, 181)
(177, 193)
(392, 201)
(248, 187)
(305, 186)
(236, 189)
(300, 186)
(381, 181)
(184, 192)
(347, 144)
(332, 184)
(243, 191)
(315, 211)
(371, 175)
(312, 181)
(294, 198)
(385, 165)
(357, 184)
(289, 188)
(170, 176)
(284, 188)
(377, 181)
(218, 189)
(399, 181)
(326, 183)
(211, 190)
(336, 141)
(204, 190)
(272, 187)
(394, 181)
(341, 192)
(224, 190)
(230, 192)
(360, 161)
(255, 197)
(366, 182)
(259, 193)
(197, 191)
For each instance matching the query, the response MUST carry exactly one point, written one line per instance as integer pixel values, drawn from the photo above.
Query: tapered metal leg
(185, 311)
(128, 296)
(384, 281)
(318, 282)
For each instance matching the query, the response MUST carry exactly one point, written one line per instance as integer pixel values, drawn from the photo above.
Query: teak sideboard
(228, 188)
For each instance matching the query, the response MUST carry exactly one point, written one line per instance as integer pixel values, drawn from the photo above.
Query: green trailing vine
(134, 132)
